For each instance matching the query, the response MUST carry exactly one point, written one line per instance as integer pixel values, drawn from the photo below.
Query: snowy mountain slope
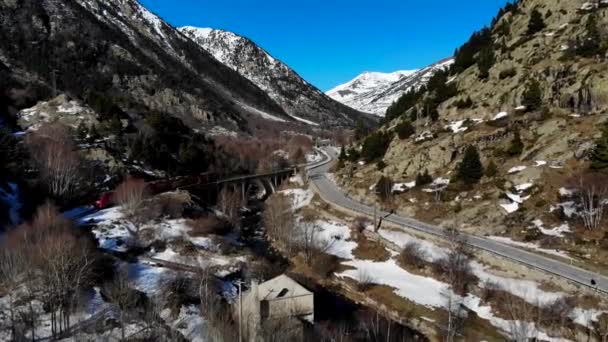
(374, 92)
(119, 50)
(298, 98)
(366, 82)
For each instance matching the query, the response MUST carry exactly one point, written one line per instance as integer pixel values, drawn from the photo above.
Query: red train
(160, 186)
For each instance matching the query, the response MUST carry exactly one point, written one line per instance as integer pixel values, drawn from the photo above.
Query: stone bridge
(245, 184)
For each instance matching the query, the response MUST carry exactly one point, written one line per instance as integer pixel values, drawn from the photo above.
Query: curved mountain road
(331, 193)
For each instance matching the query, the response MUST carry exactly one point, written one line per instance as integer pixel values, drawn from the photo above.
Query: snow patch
(500, 115)
(516, 169)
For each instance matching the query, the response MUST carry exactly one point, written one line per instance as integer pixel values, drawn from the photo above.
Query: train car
(105, 201)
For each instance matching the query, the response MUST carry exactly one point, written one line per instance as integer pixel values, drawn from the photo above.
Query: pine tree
(384, 188)
(485, 61)
(82, 130)
(532, 97)
(470, 170)
(93, 133)
(517, 146)
(536, 23)
(423, 178)
(599, 156)
(375, 146)
(590, 45)
(405, 130)
(360, 130)
(342, 156)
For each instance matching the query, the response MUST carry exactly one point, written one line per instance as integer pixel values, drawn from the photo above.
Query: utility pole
(375, 213)
(240, 312)
(54, 81)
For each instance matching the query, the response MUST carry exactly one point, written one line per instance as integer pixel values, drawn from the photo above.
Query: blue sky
(329, 42)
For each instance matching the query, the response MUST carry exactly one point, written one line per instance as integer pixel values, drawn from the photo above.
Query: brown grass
(203, 226)
(370, 250)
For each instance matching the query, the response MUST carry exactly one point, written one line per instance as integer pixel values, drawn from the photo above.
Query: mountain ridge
(374, 92)
(299, 98)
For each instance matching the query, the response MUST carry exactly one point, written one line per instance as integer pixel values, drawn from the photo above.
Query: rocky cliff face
(119, 49)
(374, 92)
(487, 112)
(298, 98)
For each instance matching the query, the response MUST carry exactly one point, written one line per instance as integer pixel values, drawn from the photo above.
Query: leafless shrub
(491, 291)
(172, 204)
(523, 317)
(556, 314)
(179, 290)
(286, 328)
(365, 279)
(413, 254)
(206, 225)
(592, 194)
(221, 325)
(325, 264)
(61, 167)
(372, 326)
(360, 223)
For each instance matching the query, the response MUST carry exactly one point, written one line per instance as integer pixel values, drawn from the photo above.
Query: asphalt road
(331, 193)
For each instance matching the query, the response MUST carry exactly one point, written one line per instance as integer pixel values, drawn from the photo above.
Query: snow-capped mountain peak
(366, 82)
(197, 32)
(298, 98)
(374, 92)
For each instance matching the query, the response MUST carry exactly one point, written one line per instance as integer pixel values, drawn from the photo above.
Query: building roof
(281, 287)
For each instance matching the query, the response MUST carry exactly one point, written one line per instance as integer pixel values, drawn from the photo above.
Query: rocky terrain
(119, 51)
(374, 92)
(534, 116)
(298, 98)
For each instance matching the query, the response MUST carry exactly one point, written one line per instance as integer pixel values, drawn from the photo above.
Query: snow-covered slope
(298, 98)
(373, 92)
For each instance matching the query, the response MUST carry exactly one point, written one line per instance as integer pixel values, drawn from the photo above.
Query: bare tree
(456, 316)
(592, 193)
(279, 220)
(130, 195)
(456, 268)
(120, 292)
(230, 203)
(55, 155)
(523, 317)
(65, 264)
(310, 241)
(601, 327)
(55, 265)
(11, 271)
